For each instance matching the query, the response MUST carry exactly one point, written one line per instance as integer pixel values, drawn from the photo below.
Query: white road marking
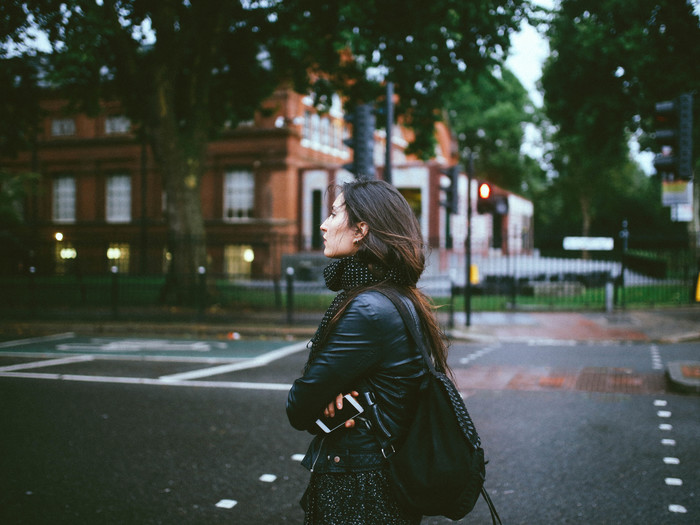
(147, 381)
(32, 340)
(297, 457)
(137, 345)
(660, 403)
(268, 478)
(674, 482)
(672, 461)
(668, 442)
(50, 362)
(665, 426)
(677, 508)
(227, 503)
(233, 367)
(663, 413)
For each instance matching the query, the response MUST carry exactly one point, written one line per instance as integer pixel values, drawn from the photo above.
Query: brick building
(99, 203)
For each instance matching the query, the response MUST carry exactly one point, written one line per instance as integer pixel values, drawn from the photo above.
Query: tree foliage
(183, 68)
(611, 61)
(489, 116)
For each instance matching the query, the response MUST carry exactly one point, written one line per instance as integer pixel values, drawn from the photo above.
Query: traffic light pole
(468, 247)
(389, 130)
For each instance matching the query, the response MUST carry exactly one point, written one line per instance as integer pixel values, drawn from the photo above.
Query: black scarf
(348, 274)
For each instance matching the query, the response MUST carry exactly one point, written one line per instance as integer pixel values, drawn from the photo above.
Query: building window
(62, 127)
(238, 259)
(118, 255)
(64, 199)
(118, 199)
(239, 195)
(117, 124)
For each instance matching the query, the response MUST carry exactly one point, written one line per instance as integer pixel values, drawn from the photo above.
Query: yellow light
(248, 255)
(114, 253)
(59, 236)
(68, 253)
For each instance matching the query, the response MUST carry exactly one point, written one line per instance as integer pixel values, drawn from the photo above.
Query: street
(189, 432)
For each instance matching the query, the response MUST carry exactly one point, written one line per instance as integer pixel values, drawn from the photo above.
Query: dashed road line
(476, 355)
(656, 362)
(671, 461)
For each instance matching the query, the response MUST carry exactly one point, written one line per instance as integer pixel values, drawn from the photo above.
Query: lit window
(239, 195)
(118, 199)
(117, 124)
(64, 199)
(62, 127)
(238, 259)
(64, 257)
(118, 256)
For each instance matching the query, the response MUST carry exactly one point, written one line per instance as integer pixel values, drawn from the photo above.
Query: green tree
(183, 68)
(489, 115)
(611, 60)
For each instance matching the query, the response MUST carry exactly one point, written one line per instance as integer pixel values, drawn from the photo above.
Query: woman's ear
(361, 230)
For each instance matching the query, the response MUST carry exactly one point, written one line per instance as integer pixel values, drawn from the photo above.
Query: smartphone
(351, 408)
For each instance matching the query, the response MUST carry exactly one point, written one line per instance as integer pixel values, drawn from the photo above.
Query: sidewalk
(660, 326)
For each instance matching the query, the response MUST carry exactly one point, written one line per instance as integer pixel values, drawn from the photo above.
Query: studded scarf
(344, 275)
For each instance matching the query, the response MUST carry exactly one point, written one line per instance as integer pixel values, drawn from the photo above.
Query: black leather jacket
(369, 349)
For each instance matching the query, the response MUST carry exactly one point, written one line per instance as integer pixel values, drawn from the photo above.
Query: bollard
(290, 295)
(609, 295)
(32, 290)
(202, 291)
(115, 291)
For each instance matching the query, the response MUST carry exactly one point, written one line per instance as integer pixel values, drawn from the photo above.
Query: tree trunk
(181, 156)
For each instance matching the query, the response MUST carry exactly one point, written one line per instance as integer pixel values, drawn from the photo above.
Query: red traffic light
(484, 191)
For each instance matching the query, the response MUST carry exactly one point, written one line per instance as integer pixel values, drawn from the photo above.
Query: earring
(356, 241)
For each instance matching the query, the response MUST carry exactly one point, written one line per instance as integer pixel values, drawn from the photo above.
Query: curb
(684, 376)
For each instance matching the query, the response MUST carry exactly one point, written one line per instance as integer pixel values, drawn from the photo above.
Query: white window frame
(116, 124)
(64, 198)
(239, 195)
(63, 127)
(118, 199)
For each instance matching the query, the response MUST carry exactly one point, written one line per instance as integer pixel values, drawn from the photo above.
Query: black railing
(519, 283)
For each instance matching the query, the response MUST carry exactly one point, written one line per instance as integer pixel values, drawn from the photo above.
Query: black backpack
(438, 469)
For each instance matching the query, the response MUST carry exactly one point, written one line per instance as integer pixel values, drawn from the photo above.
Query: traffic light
(489, 202)
(362, 142)
(674, 120)
(450, 185)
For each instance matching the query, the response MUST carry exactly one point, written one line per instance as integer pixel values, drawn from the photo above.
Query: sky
(529, 50)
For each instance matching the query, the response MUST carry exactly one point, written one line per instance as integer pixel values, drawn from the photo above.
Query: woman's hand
(329, 411)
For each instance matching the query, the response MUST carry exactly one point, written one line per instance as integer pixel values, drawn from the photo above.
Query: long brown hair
(394, 241)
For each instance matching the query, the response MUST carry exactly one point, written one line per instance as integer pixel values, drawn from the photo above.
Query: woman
(362, 347)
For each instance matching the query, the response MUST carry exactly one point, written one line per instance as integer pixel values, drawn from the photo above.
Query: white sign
(589, 243)
(676, 192)
(682, 213)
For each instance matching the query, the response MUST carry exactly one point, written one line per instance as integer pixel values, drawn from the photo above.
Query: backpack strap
(411, 323)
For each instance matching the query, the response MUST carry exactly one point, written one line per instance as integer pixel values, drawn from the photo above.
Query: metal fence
(522, 282)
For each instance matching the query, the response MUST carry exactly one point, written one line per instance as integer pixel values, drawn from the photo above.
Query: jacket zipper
(320, 449)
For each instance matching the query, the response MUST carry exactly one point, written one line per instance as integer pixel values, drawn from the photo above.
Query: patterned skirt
(353, 498)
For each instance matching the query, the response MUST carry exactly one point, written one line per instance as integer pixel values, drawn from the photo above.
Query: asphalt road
(217, 448)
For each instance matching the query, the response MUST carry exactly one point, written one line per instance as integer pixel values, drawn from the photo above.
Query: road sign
(589, 243)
